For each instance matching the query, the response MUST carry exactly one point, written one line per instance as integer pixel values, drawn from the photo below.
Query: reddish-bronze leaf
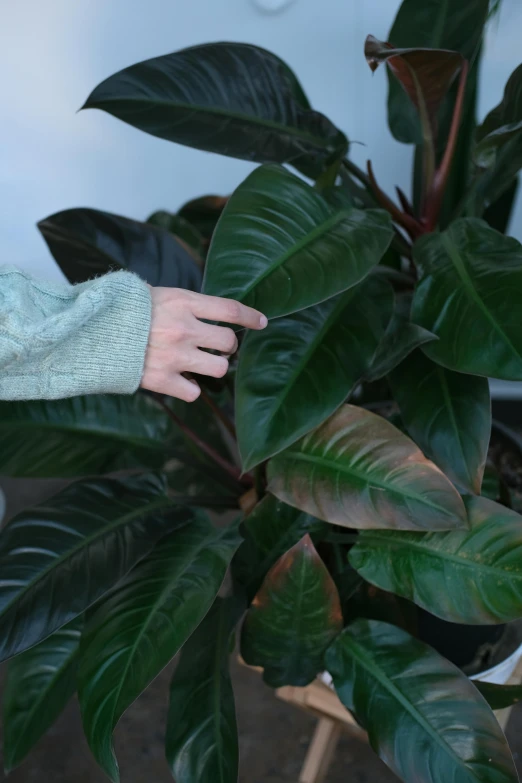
(293, 618)
(425, 74)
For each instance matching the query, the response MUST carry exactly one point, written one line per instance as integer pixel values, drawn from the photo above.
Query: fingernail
(263, 321)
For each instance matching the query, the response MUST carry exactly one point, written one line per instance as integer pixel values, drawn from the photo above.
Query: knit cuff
(111, 345)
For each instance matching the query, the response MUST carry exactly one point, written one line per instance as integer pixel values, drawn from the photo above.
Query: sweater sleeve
(58, 340)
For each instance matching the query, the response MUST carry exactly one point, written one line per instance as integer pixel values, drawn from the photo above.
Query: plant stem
(232, 471)
(410, 224)
(207, 399)
(357, 173)
(441, 175)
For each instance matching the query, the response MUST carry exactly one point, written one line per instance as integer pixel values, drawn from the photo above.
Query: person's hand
(176, 336)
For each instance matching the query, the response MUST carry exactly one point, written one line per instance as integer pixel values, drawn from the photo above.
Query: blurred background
(54, 53)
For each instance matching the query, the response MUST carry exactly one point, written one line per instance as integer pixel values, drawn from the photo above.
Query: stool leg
(320, 752)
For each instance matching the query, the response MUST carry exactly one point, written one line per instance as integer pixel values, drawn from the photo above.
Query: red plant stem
(441, 175)
(218, 413)
(405, 204)
(410, 224)
(232, 471)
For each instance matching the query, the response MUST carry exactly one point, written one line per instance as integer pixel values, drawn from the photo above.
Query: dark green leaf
(424, 74)
(481, 569)
(270, 530)
(485, 152)
(203, 213)
(58, 558)
(438, 24)
(144, 622)
(498, 213)
(39, 683)
(508, 111)
(293, 618)
(81, 435)
(201, 742)
(230, 98)
(296, 373)
(277, 234)
(499, 696)
(496, 181)
(87, 243)
(184, 231)
(424, 717)
(399, 341)
(448, 415)
(499, 143)
(358, 470)
(469, 296)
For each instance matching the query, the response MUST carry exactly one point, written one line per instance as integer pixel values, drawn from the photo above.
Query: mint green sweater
(58, 340)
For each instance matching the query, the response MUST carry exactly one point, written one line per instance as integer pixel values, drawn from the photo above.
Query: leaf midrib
(216, 702)
(364, 659)
(35, 706)
(434, 553)
(84, 431)
(304, 243)
(84, 543)
(441, 375)
(328, 323)
(188, 561)
(290, 130)
(326, 463)
(469, 288)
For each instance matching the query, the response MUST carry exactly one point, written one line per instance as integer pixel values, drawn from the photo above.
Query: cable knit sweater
(58, 340)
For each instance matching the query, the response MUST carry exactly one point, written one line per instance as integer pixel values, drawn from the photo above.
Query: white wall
(53, 53)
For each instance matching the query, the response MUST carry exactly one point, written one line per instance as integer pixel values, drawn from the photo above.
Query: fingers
(173, 384)
(204, 363)
(218, 338)
(213, 308)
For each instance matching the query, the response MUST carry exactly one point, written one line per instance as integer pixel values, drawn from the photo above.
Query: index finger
(230, 311)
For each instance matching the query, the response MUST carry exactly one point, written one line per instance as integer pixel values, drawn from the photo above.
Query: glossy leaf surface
(270, 530)
(448, 415)
(58, 558)
(469, 295)
(480, 569)
(230, 98)
(277, 235)
(81, 435)
(425, 75)
(142, 625)
(499, 143)
(39, 683)
(297, 372)
(201, 742)
(293, 618)
(436, 24)
(508, 111)
(399, 341)
(424, 718)
(359, 471)
(87, 243)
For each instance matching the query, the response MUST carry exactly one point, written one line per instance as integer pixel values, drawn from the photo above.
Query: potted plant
(353, 433)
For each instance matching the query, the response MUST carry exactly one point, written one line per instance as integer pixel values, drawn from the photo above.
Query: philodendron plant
(350, 437)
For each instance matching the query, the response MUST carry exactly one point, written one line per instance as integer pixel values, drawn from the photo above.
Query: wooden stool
(322, 702)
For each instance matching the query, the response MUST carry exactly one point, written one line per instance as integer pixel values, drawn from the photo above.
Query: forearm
(58, 340)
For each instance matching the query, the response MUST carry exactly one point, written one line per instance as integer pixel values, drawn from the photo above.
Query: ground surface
(273, 736)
